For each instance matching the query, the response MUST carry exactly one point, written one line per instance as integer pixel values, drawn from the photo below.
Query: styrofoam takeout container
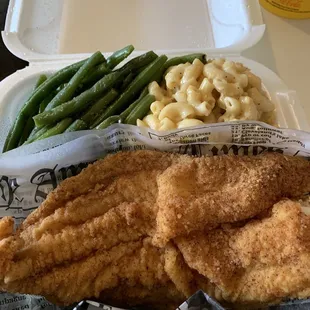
(220, 28)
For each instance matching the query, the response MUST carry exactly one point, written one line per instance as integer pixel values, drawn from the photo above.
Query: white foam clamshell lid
(45, 34)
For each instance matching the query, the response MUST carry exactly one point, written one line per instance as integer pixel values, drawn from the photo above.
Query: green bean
(7, 140)
(98, 73)
(101, 70)
(77, 125)
(61, 87)
(57, 129)
(42, 78)
(139, 62)
(46, 101)
(27, 131)
(118, 56)
(125, 113)
(184, 59)
(98, 88)
(79, 103)
(158, 76)
(67, 93)
(132, 90)
(37, 133)
(90, 115)
(140, 110)
(33, 132)
(30, 107)
(104, 59)
(30, 123)
(122, 117)
(49, 98)
(43, 105)
(135, 66)
(108, 122)
(144, 92)
(129, 78)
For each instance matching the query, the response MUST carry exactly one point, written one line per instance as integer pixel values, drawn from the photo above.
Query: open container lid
(44, 30)
(53, 33)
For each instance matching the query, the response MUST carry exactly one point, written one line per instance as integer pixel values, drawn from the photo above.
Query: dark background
(8, 62)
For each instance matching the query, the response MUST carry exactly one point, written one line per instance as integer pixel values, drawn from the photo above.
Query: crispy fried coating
(132, 263)
(67, 283)
(198, 193)
(119, 225)
(137, 224)
(99, 176)
(263, 261)
(6, 227)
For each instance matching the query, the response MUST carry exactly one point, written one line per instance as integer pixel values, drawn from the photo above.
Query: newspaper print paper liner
(199, 301)
(29, 173)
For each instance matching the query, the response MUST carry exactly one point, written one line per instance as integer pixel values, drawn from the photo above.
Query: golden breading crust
(139, 222)
(203, 192)
(6, 227)
(263, 261)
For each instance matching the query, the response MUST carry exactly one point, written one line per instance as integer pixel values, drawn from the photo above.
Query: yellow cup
(295, 9)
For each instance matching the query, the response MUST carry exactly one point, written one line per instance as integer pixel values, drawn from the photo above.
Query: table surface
(285, 49)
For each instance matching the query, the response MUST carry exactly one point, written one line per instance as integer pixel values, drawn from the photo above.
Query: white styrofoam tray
(41, 31)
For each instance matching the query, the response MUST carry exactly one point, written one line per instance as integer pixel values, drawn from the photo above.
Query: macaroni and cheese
(218, 91)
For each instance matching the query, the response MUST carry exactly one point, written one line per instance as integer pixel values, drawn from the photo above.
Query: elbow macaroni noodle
(218, 91)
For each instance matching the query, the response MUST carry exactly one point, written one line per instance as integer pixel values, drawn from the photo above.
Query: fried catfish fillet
(199, 193)
(93, 232)
(264, 261)
(125, 176)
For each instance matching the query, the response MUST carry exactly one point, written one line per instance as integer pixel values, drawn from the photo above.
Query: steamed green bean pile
(90, 94)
